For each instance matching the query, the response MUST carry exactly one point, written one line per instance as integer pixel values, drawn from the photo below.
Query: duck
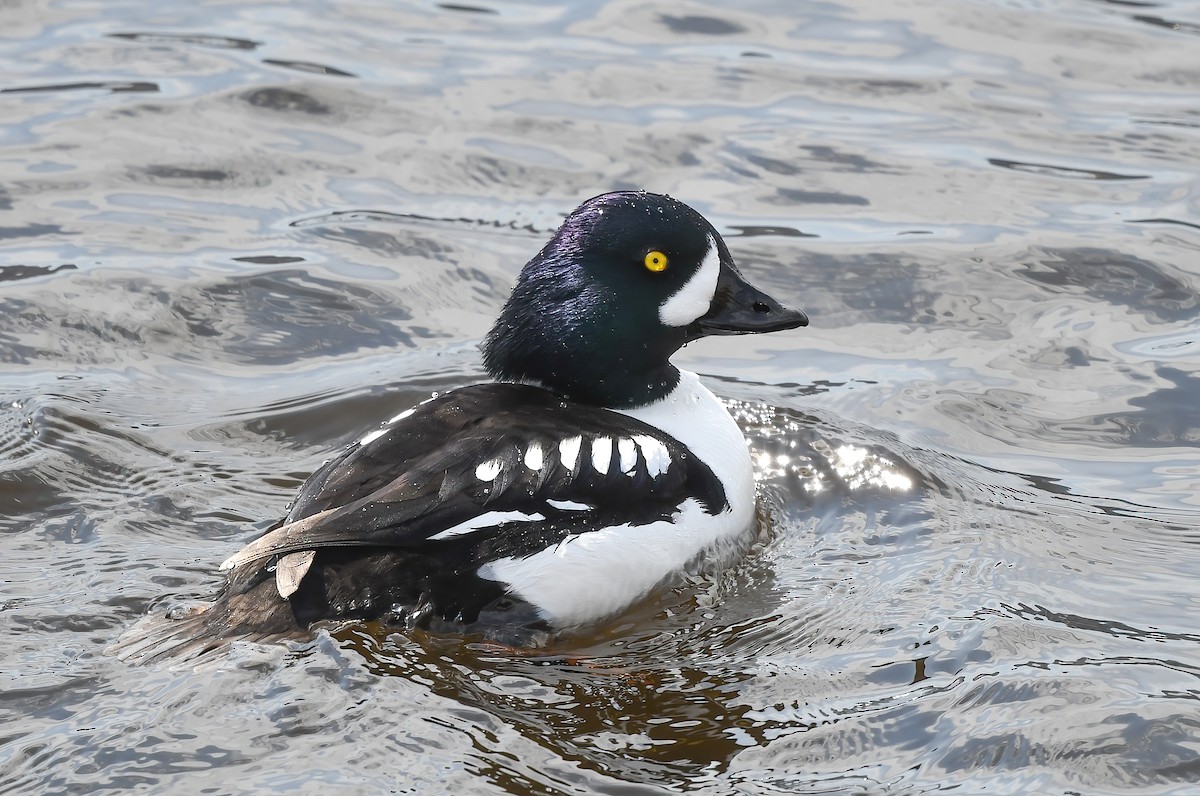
(584, 474)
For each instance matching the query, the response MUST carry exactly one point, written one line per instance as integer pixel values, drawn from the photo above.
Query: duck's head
(628, 279)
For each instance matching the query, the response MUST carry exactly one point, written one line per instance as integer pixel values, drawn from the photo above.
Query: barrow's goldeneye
(548, 499)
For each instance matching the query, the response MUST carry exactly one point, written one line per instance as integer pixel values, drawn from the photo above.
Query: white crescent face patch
(695, 297)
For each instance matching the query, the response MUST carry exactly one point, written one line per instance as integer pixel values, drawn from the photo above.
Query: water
(235, 236)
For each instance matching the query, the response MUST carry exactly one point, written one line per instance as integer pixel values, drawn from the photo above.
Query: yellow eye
(656, 261)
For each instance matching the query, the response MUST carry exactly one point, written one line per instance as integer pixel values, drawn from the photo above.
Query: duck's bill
(739, 307)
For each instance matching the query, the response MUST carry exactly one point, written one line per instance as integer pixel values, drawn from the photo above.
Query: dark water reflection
(234, 237)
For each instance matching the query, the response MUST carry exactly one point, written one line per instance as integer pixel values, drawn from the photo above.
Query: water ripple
(237, 236)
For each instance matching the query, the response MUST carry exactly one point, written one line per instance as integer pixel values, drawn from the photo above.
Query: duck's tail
(178, 636)
(204, 631)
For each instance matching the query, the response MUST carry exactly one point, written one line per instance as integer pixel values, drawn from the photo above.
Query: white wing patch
(658, 458)
(402, 415)
(533, 456)
(489, 520)
(408, 412)
(695, 297)
(374, 435)
(568, 451)
(568, 505)
(602, 454)
(488, 470)
(628, 451)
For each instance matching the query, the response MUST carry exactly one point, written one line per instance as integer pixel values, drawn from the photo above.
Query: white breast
(596, 574)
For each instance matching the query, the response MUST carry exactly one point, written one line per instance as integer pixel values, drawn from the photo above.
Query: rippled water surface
(233, 236)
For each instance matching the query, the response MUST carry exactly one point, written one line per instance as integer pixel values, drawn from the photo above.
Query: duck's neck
(583, 376)
(579, 348)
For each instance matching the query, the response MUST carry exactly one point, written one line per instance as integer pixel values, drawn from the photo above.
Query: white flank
(568, 505)
(488, 470)
(533, 456)
(596, 574)
(489, 520)
(374, 435)
(602, 454)
(568, 452)
(695, 297)
(628, 451)
(658, 458)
